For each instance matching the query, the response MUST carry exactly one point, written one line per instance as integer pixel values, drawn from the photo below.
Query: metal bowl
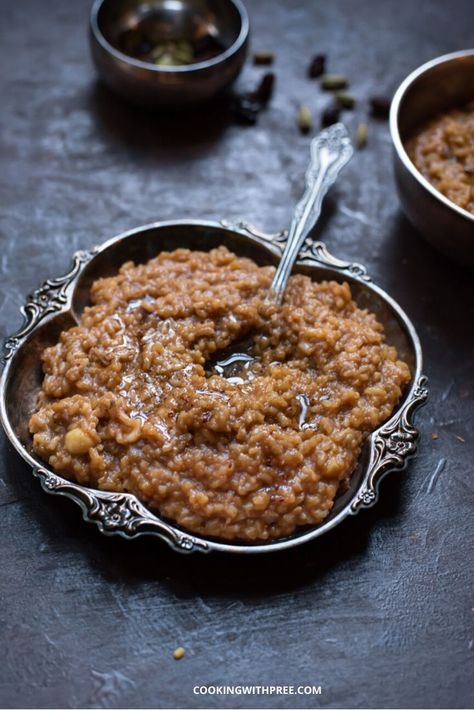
(58, 303)
(436, 86)
(152, 86)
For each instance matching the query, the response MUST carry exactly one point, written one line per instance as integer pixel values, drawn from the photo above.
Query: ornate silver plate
(57, 303)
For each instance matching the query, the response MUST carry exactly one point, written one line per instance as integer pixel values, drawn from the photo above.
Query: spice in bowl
(141, 42)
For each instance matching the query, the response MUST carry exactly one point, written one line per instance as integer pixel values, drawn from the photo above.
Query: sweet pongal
(129, 401)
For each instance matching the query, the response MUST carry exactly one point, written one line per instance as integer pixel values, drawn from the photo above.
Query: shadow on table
(159, 135)
(149, 560)
(437, 291)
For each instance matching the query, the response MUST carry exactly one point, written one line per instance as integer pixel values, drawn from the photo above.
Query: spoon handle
(330, 151)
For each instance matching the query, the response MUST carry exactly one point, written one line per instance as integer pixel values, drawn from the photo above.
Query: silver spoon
(330, 151)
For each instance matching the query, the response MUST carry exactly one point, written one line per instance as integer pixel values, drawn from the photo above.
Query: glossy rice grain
(443, 151)
(130, 401)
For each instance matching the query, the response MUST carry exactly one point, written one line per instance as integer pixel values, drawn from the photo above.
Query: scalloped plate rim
(170, 533)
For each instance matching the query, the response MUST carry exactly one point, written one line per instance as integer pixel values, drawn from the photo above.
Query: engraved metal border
(51, 297)
(121, 513)
(312, 251)
(117, 513)
(391, 447)
(318, 252)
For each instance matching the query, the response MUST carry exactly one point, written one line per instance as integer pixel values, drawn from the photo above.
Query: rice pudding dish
(131, 402)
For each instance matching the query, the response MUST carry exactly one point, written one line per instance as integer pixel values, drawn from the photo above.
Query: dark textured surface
(380, 612)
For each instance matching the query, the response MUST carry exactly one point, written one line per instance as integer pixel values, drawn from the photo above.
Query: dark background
(380, 611)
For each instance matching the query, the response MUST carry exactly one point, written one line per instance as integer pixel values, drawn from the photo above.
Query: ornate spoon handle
(330, 151)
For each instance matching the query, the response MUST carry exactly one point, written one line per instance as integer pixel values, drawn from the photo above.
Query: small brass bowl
(155, 86)
(437, 86)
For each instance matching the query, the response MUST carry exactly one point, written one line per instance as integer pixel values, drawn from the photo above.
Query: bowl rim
(395, 132)
(238, 43)
(391, 444)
